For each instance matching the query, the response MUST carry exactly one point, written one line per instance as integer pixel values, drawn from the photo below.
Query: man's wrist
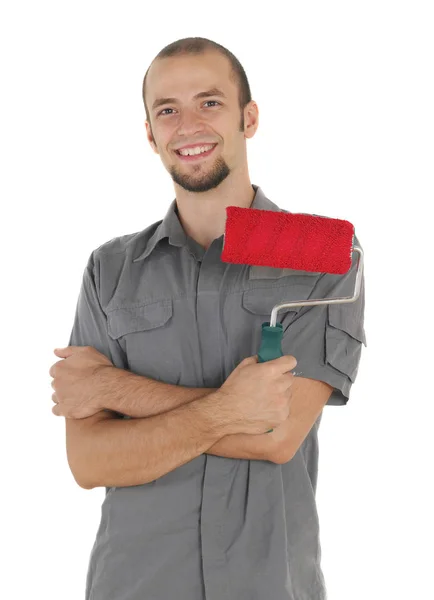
(217, 416)
(120, 390)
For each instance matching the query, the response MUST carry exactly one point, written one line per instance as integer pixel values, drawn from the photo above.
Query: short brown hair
(199, 45)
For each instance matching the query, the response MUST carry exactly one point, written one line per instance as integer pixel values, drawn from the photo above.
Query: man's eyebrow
(212, 92)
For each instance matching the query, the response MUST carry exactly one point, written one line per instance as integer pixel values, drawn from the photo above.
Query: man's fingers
(65, 352)
(53, 367)
(56, 410)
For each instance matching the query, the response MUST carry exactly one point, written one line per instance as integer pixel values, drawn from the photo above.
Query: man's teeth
(196, 150)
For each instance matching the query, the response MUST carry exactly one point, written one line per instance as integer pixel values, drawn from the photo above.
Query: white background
(345, 94)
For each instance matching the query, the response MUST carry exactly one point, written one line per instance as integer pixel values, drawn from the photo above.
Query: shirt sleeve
(327, 339)
(90, 321)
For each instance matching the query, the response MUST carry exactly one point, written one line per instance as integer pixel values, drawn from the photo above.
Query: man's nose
(190, 123)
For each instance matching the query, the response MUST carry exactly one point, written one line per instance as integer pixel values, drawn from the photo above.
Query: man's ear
(251, 119)
(150, 137)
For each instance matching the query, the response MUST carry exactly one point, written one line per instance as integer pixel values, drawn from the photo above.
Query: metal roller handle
(272, 333)
(353, 298)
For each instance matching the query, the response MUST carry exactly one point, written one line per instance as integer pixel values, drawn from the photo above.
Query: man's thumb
(65, 352)
(250, 360)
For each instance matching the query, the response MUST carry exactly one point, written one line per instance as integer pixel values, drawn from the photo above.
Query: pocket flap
(261, 301)
(346, 317)
(138, 318)
(261, 272)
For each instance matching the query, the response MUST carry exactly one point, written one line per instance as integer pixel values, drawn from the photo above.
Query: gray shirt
(156, 303)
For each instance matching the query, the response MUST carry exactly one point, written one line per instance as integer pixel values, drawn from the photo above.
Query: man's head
(179, 114)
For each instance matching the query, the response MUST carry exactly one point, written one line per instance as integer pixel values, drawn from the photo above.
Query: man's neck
(203, 215)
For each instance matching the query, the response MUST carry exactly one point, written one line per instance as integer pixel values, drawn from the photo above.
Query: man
(201, 503)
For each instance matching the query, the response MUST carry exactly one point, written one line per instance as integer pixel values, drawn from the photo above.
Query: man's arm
(90, 329)
(248, 446)
(138, 396)
(103, 450)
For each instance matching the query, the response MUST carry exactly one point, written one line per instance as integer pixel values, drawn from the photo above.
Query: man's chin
(201, 183)
(197, 186)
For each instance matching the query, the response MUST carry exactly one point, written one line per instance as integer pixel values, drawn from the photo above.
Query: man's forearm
(115, 452)
(245, 445)
(138, 396)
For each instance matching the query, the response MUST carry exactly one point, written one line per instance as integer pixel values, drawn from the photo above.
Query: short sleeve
(90, 321)
(327, 339)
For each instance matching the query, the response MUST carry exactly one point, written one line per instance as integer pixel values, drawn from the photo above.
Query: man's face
(183, 120)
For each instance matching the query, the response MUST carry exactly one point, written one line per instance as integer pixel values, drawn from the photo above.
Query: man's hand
(79, 381)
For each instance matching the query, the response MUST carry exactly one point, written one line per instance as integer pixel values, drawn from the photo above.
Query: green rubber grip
(271, 344)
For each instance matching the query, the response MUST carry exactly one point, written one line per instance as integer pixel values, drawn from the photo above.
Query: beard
(201, 181)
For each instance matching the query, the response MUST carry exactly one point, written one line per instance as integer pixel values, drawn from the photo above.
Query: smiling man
(161, 323)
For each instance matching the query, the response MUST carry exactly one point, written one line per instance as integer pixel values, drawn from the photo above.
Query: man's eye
(164, 109)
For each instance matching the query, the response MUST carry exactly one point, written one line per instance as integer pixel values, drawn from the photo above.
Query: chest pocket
(145, 333)
(278, 286)
(261, 301)
(268, 288)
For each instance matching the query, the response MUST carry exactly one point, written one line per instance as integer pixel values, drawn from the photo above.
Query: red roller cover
(287, 240)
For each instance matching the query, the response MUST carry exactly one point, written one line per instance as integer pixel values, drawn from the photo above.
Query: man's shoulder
(129, 243)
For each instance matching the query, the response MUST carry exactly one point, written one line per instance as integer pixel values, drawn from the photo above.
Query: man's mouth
(196, 153)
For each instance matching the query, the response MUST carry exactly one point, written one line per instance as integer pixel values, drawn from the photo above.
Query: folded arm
(141, 397)
(104, 450)
(147, 397)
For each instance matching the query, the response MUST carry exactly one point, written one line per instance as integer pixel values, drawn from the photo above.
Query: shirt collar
(171, 226)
